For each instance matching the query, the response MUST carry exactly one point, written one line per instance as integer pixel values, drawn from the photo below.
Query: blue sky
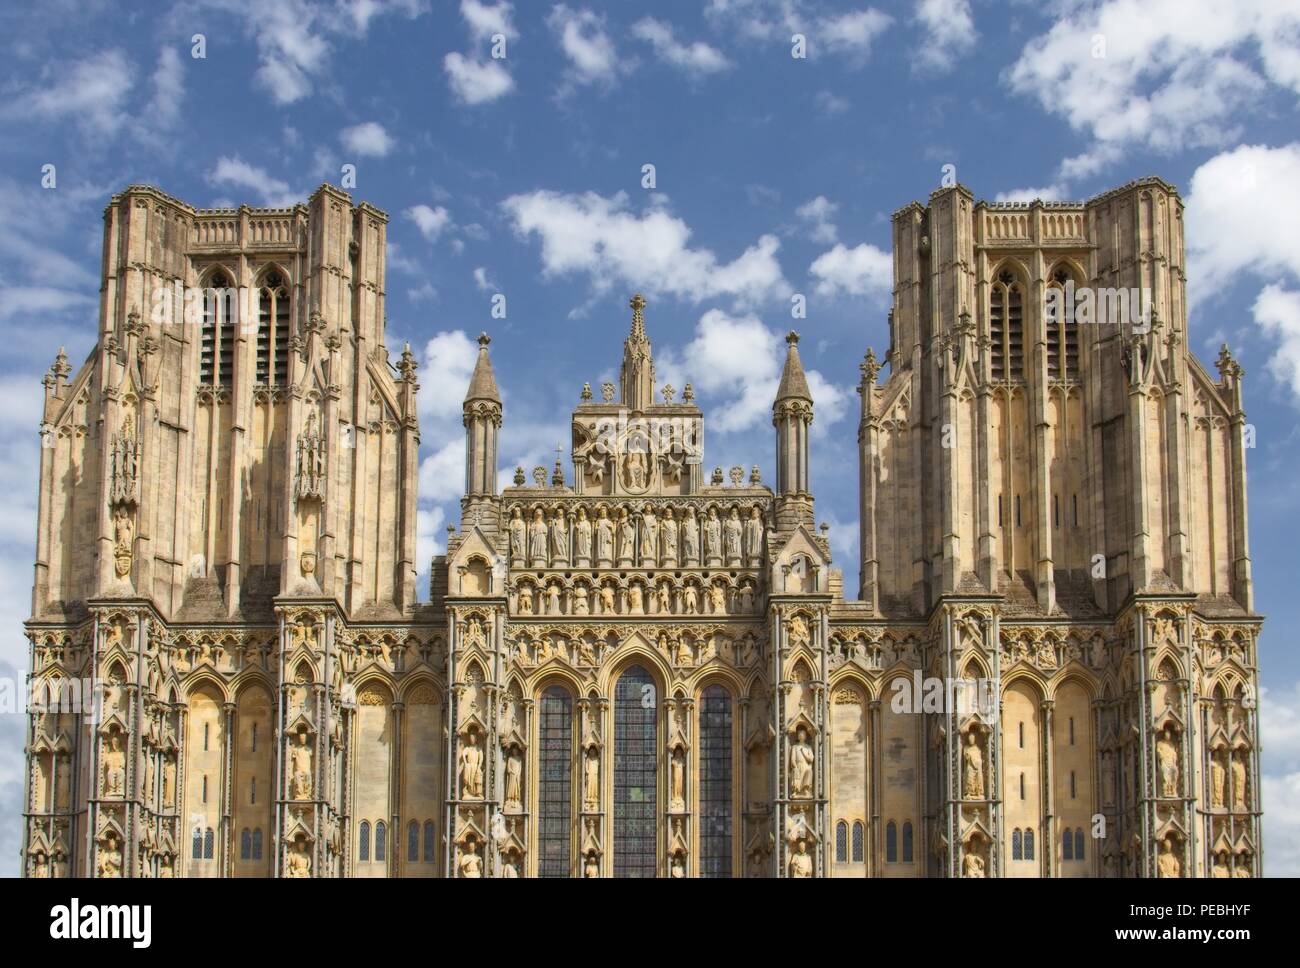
(774, 176)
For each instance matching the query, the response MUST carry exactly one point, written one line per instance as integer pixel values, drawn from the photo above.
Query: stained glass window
(554, 784)
(715, 783)
(636, 708)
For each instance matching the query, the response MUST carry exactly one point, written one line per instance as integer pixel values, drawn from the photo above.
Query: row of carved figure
(688, 597)
(677, 650)
(636, 538)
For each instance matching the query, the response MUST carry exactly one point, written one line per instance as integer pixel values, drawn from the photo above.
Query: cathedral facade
(637, 666)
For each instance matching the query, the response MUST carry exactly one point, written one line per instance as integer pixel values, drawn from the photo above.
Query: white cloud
(589, 49)
(93, 92)
(863, 270)
(442, 473)
(1279, 723)
(482, 281)
(451, 355)
(487, 19)
(819, 213)
(849, 34)
(830, 103)
(1047, 193)
(368, 139)
(168, 85)
(601, 237)
(431, 222)
(1277, 311)
(695, 59)
(1241, 214)
(949, 32)
(1165, 75)
(237, 173)
(477, 82)
(734, 362)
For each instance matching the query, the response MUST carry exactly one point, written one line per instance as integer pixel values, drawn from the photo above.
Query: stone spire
(638, 375)
(483, 384)
(482, 418)
(794, 385)
(792, 414)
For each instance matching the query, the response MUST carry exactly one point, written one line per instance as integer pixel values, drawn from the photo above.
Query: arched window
(1017, 851)
(257, 843)
(555, 784)
(1006, 329)
(273, 330)
(217, 332)
(858, 832)
(196, 846)
(381, 838)
(907, 842)
(429, 845)
(891, 842)
(1029, 844)
(1067, 845)
(1062, 327)
(715, 782)
(246, 844)
(1078, 844)
(413, 842)
(207, 844)
(363, 848)
(636, 709)
(841, 842)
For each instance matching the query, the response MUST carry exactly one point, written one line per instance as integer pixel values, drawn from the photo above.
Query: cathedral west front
(633, 664)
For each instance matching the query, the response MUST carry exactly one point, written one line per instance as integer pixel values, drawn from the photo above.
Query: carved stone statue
(677, 780)
(299, 859)
(972, 765)
(591, 780)
(663, 599)
(110, 857)
(300, 772)
(471, 768)
(582, 538)
(514, 772)
(1167, 757)
(801, 862)
(606, 599)
(801, 766)
(1218, 779)
(592, 867)
(635, 599)
(668, 539)
(1240, 799)
(471, 864)
(678, 868)
(537, 539)
(604, 538)
(731, 537)
(972, 865)
(717, 599)
(690, 599)
(1168, 864)
(713, 538)
(626, 538)
(114, 767)
(559, 538)
(518, 537)
(690, 538)
(649, 538)
(754, 535)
